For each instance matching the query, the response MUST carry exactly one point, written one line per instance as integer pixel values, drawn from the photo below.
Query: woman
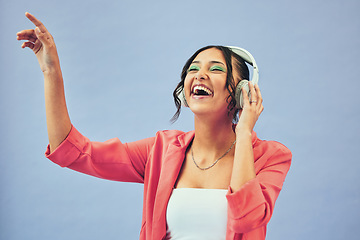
(218, 181)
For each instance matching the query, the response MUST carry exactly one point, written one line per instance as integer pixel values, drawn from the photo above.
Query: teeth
(197, 88)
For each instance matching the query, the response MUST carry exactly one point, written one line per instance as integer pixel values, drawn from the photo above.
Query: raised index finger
(35, 21)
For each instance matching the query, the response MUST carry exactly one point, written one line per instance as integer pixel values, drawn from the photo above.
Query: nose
(201, 75)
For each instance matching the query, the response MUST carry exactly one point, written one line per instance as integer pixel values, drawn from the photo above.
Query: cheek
(220, 85)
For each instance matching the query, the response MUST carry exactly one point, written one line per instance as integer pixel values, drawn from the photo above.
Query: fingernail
(37, 30)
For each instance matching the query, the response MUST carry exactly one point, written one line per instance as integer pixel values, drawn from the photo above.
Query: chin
(209, 110)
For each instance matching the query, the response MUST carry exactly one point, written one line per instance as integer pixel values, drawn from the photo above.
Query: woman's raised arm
(43, 45)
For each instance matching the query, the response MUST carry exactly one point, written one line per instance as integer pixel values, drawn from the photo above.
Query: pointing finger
(35, 21)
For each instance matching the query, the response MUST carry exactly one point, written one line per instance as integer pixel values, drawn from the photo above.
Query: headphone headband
(244, 54)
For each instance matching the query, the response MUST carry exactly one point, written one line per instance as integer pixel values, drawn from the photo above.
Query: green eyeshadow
(217, 68)
(193, 67)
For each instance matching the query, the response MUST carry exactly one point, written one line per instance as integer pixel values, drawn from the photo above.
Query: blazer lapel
(170, 169)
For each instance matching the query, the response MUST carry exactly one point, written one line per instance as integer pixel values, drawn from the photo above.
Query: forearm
(57, 117)
(243, 167)
(40, 41)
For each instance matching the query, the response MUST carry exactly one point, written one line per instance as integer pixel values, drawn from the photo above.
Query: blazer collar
(185, 138)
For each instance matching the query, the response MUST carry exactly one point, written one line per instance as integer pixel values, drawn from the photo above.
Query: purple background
(121, 61)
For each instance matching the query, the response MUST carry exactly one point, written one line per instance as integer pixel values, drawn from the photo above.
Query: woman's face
(205, 83)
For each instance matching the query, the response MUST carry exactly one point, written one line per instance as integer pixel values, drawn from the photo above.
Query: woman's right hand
(42, 43)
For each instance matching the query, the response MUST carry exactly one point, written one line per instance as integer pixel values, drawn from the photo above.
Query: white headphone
(244, 54)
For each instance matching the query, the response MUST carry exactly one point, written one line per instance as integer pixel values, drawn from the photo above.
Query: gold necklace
(206, 168)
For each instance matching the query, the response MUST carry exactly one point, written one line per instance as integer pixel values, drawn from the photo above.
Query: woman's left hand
(251, 110)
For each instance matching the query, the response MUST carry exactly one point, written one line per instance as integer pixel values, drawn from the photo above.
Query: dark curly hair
(230, 59)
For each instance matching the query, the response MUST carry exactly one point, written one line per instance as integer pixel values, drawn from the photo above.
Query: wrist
(243, 134)
(49, 64)
(53, 69)
(242, 130)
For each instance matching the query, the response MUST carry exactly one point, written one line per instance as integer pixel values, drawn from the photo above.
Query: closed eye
(193, 68)
(217, 68)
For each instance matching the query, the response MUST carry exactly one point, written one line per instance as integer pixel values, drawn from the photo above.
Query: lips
(201, 90)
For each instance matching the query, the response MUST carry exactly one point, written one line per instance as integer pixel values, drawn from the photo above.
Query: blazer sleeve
(110, 160)
(252, 205)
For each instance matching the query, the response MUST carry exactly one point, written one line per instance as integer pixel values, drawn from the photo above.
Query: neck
(213, 136)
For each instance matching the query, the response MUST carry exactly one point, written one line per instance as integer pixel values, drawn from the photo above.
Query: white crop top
(197, 214)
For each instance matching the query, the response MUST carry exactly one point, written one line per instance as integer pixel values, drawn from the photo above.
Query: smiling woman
(230, 61)
(217, 182)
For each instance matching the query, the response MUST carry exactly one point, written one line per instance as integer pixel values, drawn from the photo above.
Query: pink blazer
(156, 163)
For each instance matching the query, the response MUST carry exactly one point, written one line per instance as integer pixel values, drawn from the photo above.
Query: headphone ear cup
(182, 98)
(238, 93)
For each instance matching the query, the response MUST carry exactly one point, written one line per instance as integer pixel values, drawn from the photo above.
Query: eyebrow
(210, 62)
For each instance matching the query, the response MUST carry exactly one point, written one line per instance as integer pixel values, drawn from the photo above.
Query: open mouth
(201, 90)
